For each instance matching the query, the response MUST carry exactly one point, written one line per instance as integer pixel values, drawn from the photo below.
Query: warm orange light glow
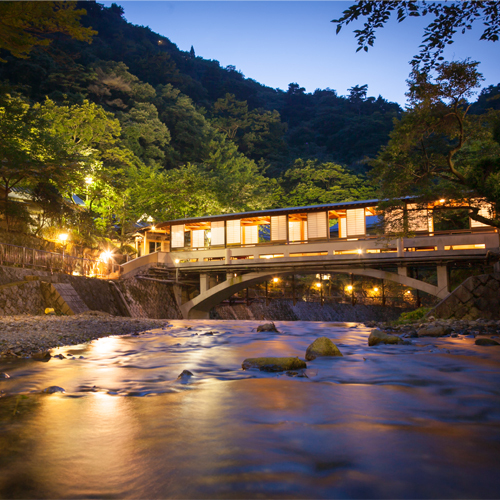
(360, 251)
(442, 200)
(318, 285)
(106, 255)
(407, 292)
(153, 228)
(63, 236)
(349, 288)
(375, 289)
(88, 180)
(177, 261)
(276, 280)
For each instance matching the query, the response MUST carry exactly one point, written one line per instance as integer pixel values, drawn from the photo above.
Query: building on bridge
(344, 237)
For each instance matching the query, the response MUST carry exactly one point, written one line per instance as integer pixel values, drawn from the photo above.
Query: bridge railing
(444, 244)
(13, 255)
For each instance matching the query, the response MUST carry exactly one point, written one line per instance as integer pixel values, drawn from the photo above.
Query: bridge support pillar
(442, 278)
(204, 284)
(496, 267)
(403, 271)
(400, 246)
(212, 281)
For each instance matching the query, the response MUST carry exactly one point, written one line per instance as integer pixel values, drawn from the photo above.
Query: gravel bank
(23, 336)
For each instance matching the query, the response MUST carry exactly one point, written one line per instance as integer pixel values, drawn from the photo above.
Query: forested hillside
(143, 130)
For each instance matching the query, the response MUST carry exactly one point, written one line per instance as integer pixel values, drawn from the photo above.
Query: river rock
(486, 342)
(41, 356)
(434, 331)
(322, 346)
(274, 364)
(185, 373)
(379, 337)
(4, 375)
(53, 389)
(267, 327)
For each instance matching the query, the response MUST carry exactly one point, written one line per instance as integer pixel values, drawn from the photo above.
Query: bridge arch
(199, 307)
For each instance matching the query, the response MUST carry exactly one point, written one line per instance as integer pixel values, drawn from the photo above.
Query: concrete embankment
(285, 310)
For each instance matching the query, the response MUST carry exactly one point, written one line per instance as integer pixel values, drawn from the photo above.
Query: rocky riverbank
(26, 336)
(432, 327)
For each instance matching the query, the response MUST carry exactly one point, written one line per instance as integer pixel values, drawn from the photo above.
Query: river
(404, 421)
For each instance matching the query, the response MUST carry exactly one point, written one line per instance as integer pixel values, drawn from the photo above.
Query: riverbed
(390, 421)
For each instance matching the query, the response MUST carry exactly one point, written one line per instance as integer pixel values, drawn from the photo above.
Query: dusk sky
(280, 42)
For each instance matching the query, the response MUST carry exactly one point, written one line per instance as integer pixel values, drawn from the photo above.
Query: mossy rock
(267, 327)
(322, 346)
(274, 364)
(379, 337)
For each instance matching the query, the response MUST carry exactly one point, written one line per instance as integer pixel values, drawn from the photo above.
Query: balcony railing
(12, 255)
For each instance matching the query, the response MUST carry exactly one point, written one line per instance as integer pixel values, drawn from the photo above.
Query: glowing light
(442, 200)
(63, 236)
(375, 289)
(349, 288)
(153, 228)
(177, 261)
(360, 251)
(407, 292)
(89, 180)
(106, 255)
(275, 280)
(318, 285)
(209, 235)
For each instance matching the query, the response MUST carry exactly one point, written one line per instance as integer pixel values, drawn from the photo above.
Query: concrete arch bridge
(248, 265)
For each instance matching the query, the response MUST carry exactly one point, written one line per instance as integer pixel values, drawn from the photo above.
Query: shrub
(412, 316)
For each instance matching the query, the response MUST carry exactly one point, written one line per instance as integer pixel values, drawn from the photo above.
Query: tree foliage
(448, 19)
(438, 149)
(24, 25)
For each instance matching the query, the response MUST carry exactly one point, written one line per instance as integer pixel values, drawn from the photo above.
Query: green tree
(448, 18)
(30, 149)
(24, 25)
(310, 182)
(438, 149)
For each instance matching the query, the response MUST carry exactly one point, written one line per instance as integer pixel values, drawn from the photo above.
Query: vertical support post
(402, 271)
(442, 277)
(203, 283)
(383, 293)
(353, 299)
(419, 302)
(400, 247)
(247, 298)
(293, 290)
(267, 296)
(177, 275)
(321, 293)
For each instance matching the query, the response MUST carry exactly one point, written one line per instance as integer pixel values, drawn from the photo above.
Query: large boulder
(274, 364)
(486, 342)
(322, 346)
(434, 331)
(379, 337)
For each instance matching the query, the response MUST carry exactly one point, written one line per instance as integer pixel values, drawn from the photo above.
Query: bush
(412, 316)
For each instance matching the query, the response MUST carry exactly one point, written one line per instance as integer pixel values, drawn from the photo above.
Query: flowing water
(416, 421)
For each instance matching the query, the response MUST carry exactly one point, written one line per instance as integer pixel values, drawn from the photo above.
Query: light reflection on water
(419, 421)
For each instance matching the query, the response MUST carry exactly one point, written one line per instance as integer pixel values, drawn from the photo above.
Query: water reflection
(419, 421)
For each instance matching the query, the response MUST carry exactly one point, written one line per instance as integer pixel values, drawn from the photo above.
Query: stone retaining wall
(23, 297)
(477, 297)
(284, 310)
(149, 299)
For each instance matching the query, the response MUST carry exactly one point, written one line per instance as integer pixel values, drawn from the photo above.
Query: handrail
(54, 262)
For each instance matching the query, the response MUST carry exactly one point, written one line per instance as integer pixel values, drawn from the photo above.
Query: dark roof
(272, 211)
